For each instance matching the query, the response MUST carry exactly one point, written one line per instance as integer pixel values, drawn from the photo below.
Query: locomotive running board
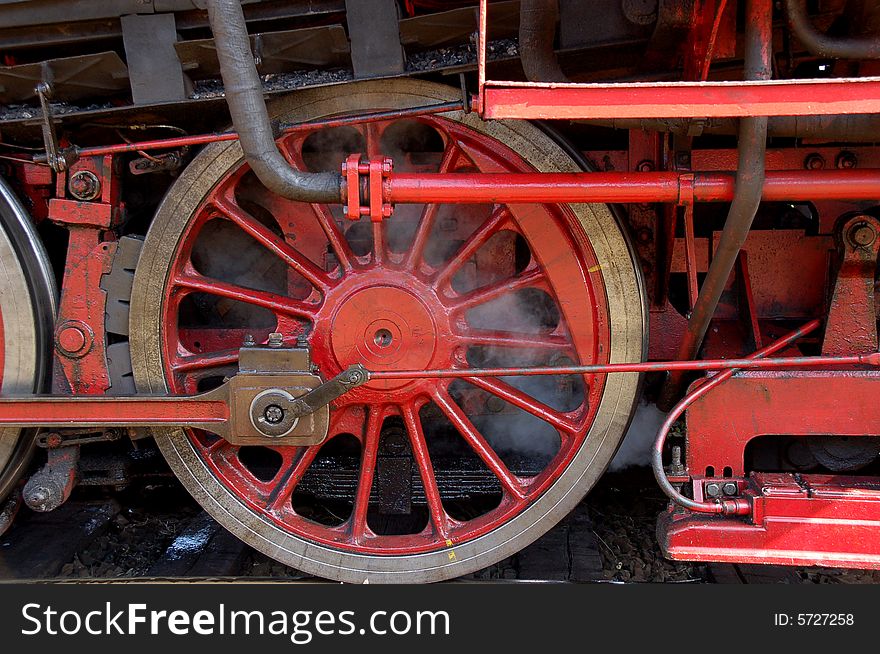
(803, 520)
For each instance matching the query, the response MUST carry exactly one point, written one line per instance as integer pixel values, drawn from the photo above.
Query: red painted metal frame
(80, 343)
(545, 101)
(798, 520)
(852, 316)
(555, 101)
(841, 403)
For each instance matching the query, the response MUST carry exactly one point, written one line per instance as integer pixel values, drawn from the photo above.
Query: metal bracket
(330, 390)
(59, 160)
(51, 440)
(851, 325)
(367, 179)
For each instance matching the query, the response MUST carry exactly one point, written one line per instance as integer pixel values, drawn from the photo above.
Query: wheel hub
(384, 328)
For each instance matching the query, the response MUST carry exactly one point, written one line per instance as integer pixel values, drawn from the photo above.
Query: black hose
(244, 95)
(537, 31)
(752, 149)
(822, 45)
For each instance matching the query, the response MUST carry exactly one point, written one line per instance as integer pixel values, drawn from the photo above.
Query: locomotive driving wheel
(418, 480)
(27, 308)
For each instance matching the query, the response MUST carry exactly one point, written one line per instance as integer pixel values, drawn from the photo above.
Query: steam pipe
(537, 32)
(244, 95)
(626, 187)
(728, 507)
(823, 45)
(752, 147)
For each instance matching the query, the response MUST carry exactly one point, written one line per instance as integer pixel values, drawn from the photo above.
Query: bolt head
(273, 414)
(71, 339)
(846, 160)
(862, 235)
(84, 185)
(730, 488)
(276, 340)
(713, 489)
(814, 161)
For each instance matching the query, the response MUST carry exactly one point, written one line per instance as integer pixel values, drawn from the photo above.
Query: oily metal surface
(627, 316)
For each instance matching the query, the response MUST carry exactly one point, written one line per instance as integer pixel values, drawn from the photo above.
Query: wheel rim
(397, 306)
(27, 307)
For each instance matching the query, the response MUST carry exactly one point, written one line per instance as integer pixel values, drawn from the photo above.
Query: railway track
(157, 533)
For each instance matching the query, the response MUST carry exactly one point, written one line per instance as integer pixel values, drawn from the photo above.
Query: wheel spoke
(203, 361)
(514, 340)
(450, 159)
(380, 250)
(278, 304)
(479, 444)
(369, 453)
(426, 470)
(372, 136)
(293, 153)
(334, 236)
(499, 289)
(500, 216)
(288, 479)
(525, 402)
(272, 242)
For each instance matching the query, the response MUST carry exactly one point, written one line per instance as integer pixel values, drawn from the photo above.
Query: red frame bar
(808, 520)
(812, 97)
(536, 100)
(840, 403)
(106, 411)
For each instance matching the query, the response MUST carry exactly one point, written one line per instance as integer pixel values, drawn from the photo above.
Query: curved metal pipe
(244, 95)
(727, 507)
(752, 148)
(537, 32)
(822, 45)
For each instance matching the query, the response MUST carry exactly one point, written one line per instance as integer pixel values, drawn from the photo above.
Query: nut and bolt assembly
(273, 414)
(84, 185)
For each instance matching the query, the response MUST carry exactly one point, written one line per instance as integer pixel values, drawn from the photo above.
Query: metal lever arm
(324, 394)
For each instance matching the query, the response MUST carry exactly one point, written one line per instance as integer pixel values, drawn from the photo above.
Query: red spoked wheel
(418, 480)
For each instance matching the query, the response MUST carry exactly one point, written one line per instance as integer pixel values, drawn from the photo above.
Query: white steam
(635, 450)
